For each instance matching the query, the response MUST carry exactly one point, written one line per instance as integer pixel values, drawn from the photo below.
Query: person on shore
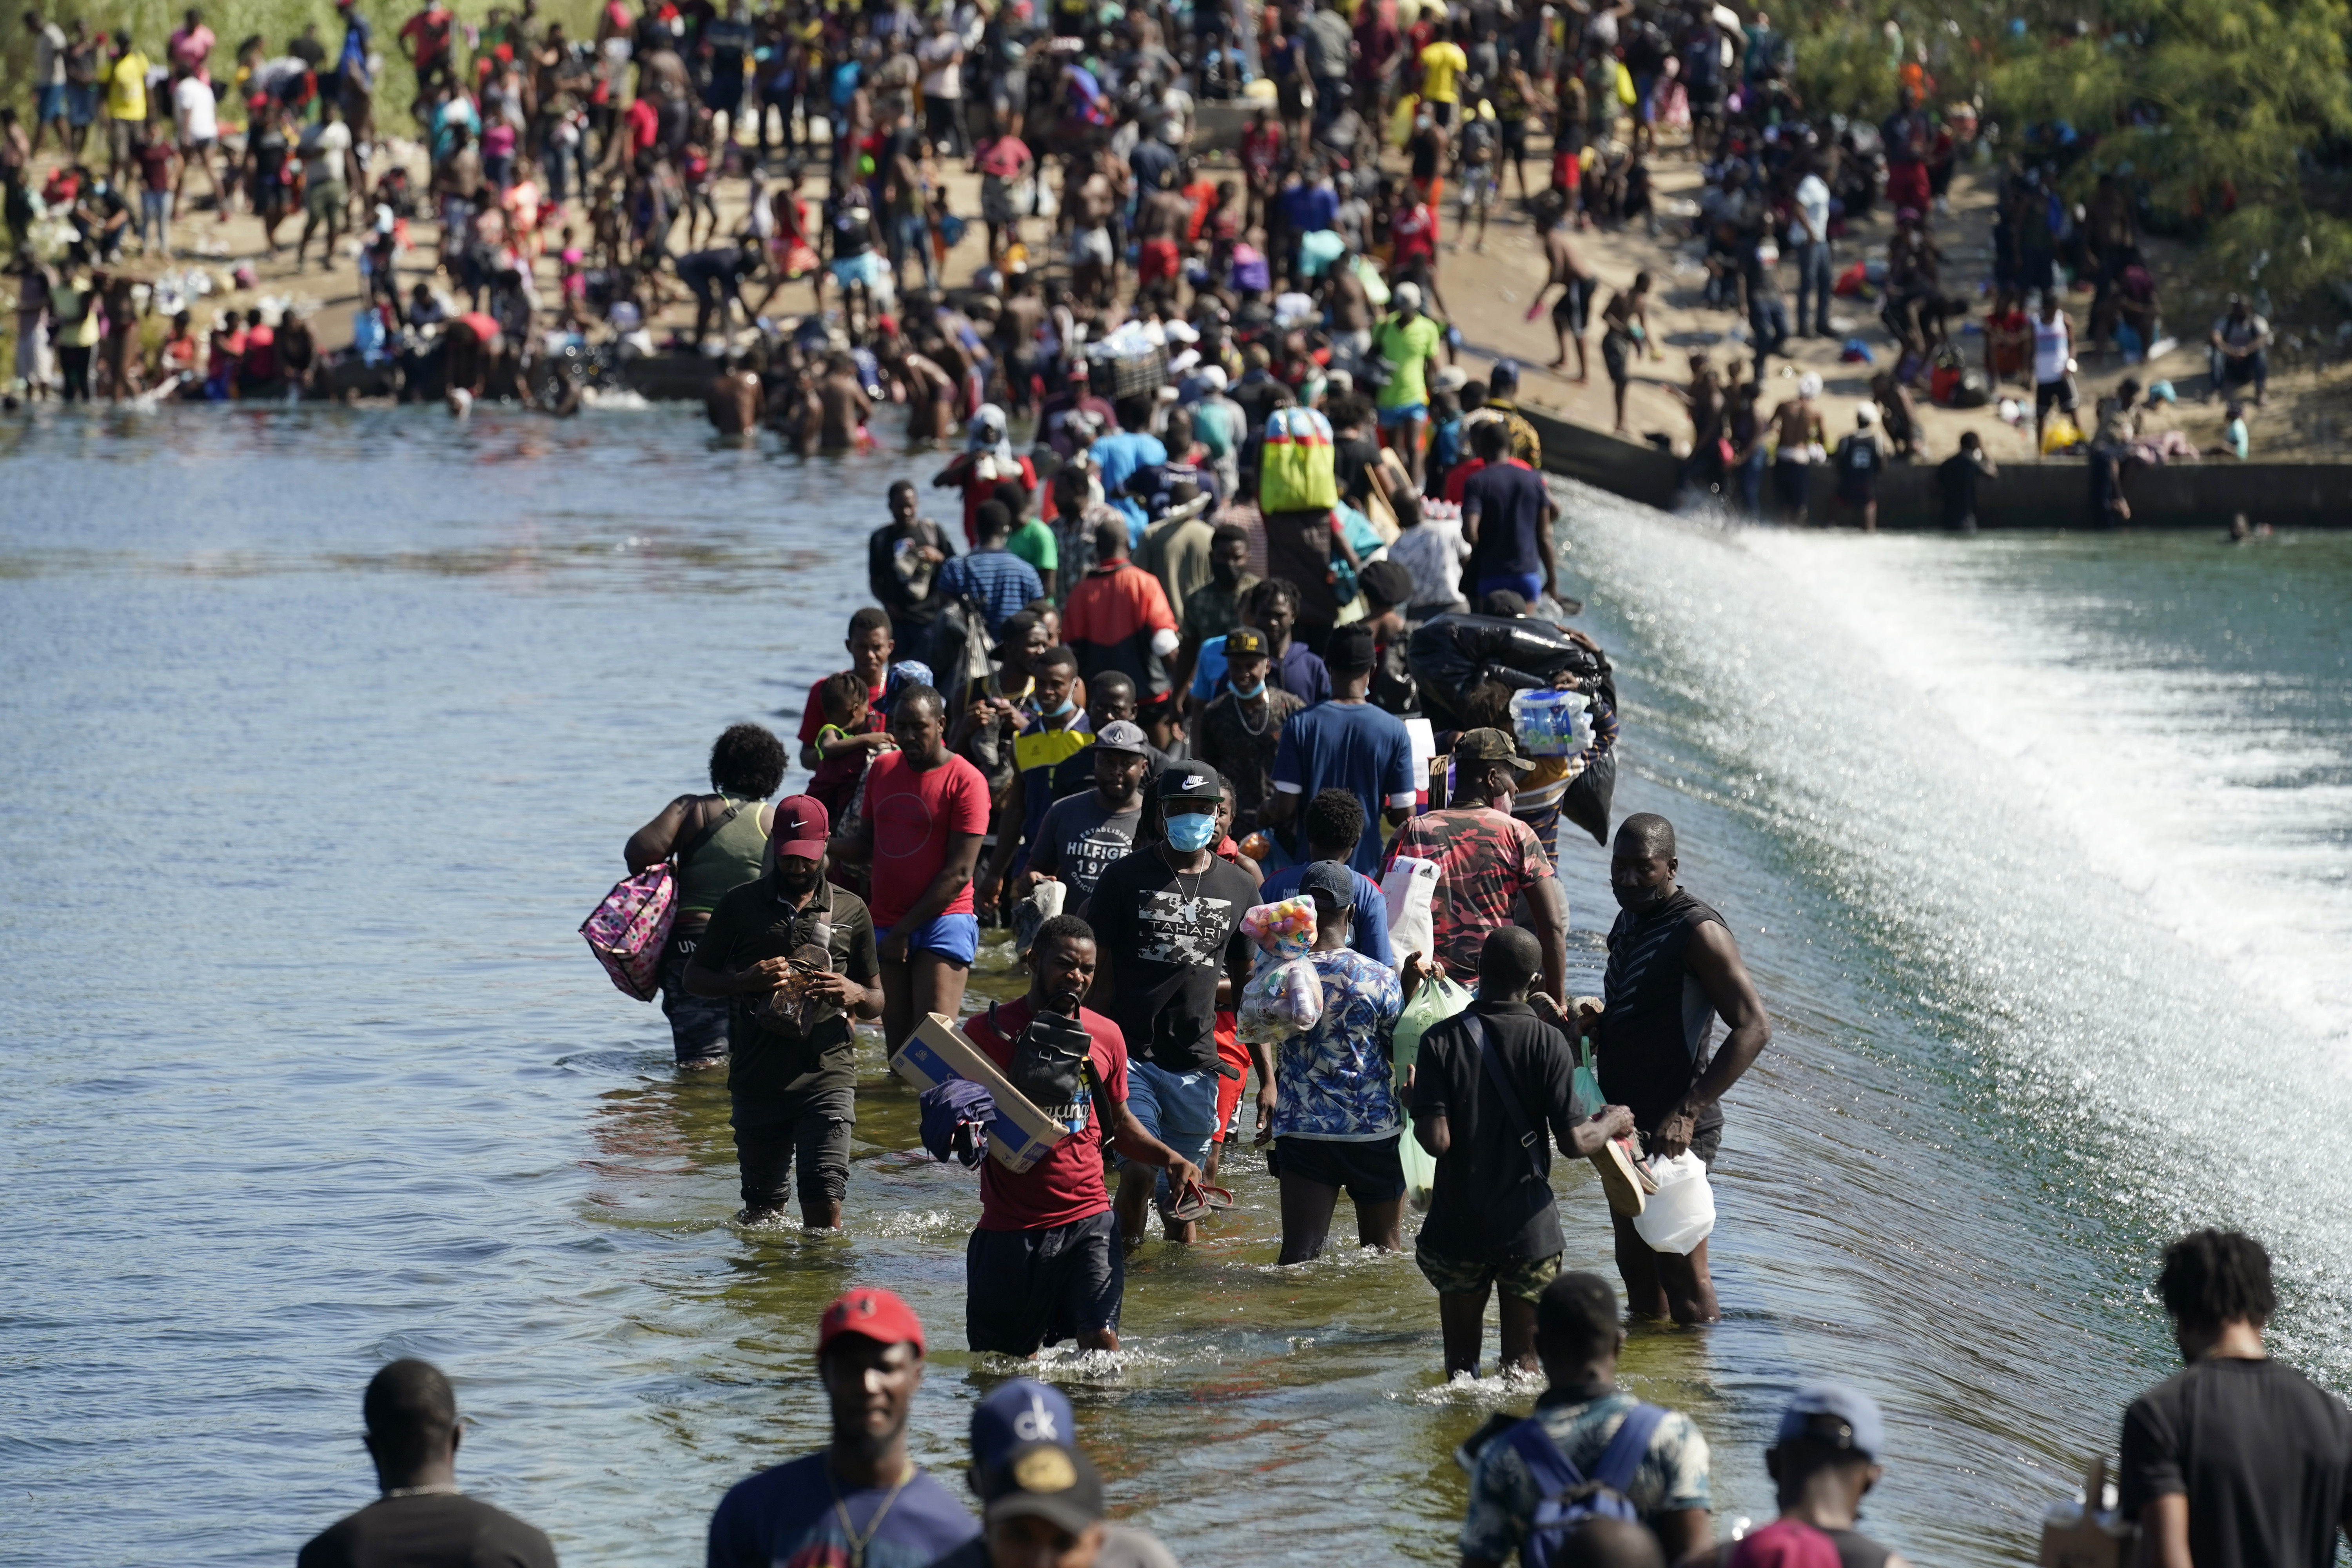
(1487, 861)
(1506, 516)
(796, 961)
(1861, 460)
(1567, 273)
(1660, 1468)
(2238, 350)
(1083, 835)
(1018, 1416)
(1349, 745)
(1408, 342)
(1171, 954)
(716, 842)
(1240, 730)
(1624, 338)
(1044, 1264)
(872, 651)
(2053, 363)
(2236, 1461)
(421, 1519)
(1493, 1223)
(1798, 422)
(1334, 1121)
(1958, 479)
(1669, 953)
(925, 814)
(861, 1499)
(903, 558)
(1331, 826)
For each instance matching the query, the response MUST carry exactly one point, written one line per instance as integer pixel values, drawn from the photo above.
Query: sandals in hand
(1195, 1202)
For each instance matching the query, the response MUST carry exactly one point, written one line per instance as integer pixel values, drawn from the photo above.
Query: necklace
(858, 1544)
(438, 1489)
(1241, 713)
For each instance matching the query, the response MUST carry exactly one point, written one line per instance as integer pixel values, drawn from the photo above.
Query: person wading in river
(1672, 969)
(718, 841)
(422, 1520)
(795, 957)
(860, 1500)
(926, 810)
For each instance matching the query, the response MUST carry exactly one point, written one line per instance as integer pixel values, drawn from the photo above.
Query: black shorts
(1573, 308)
(2060, 392)
(774, 1131)
(1025, 1290)
(1614, 348)
(1442, 114)
(1372, 1172)
(1514, 139)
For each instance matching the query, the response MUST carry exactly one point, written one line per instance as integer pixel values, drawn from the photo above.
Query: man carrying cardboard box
(1044, 1264)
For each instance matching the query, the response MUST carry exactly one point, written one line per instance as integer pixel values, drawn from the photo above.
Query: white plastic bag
(1409, 887)
(1681, 1213)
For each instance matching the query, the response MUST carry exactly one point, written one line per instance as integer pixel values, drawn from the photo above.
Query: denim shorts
(1405, 413)
(1180, 1108)
(950, 936)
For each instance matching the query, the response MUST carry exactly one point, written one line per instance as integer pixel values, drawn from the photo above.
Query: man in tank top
(1673, 970)
(719, 841)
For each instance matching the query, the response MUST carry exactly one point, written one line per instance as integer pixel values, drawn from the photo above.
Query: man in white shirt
(1808, 245)
(326, 147)
(48, 79)
(941, 57)
(199, 132)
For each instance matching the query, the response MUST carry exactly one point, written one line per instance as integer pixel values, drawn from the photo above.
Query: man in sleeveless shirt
(1673, 970)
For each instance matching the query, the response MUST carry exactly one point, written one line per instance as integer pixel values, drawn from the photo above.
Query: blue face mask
(1057, 709)
(1250, 693)
(1193, 831)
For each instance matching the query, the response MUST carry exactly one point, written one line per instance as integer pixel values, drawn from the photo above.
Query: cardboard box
(1020, 1134)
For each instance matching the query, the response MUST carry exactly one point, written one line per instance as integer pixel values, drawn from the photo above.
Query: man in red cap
(861, 1502)
(797, 957)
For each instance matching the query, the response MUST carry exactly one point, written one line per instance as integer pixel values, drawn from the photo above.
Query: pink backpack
(631, 927)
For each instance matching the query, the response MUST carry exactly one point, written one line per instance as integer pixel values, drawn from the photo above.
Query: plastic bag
(1298, 469)
(1552, 724)
(1434, 1000)
(1283, 998)
(1681, 1213)
(1410, 886)
(1285, 929)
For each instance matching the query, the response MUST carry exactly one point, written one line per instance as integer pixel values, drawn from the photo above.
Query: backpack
(1298, 468)
(1570, 1499)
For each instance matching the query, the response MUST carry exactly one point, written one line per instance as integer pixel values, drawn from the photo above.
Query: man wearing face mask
(1672, 970)
(1044, 1264)
(796, 955)
(1167, 919)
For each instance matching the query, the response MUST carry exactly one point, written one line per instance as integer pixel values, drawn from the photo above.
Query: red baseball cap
(802, 824)
(876, 1315)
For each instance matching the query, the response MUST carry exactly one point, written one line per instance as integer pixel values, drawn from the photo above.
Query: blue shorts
(1180, 1108)
(1527, 585)
(866, 268)
(1405, 413)
(50, 104)
(950, 936)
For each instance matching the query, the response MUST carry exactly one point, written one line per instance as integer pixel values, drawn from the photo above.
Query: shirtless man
(1094, 263)
(796, 412)
(930, 397)
(733, 399)
(1798, 422)
(1624, 334)
(1571, 312)
(1016, 340)
(844, 403)
(1161, 226)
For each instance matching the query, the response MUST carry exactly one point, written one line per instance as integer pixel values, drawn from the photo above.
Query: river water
(324, 732)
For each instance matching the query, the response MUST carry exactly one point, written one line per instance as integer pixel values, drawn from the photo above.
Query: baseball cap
(1407, 295)
(802, 823)
(1123, 735)
(1489, 746)
(1245, 642)
(1504, 373)
(1836, 1417)
(1348, 650)
(1188, 780)
(1046, 1480)
(1020, 1411)
(876, 1315)
(1330, 879)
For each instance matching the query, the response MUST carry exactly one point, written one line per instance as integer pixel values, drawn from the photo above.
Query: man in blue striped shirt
(994, 578)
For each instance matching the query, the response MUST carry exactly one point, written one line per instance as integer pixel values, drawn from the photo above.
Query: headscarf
(990, 436)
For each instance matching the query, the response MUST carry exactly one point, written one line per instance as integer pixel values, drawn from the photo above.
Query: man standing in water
(861, 1499)
(796, 957)
(1672, 970)
(926, 811)
(422, 1517)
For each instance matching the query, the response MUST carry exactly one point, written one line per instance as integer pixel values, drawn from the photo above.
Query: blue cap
(1835, 1416)
(1504, 373)
(1022, 1411)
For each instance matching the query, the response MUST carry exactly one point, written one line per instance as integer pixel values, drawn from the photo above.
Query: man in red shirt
(425, 37)
(926, 811)
(1117, 618)
(870, 646)
(1044, 1264)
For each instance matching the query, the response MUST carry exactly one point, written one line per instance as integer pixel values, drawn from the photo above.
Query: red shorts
(1158, 260)
(1906, 187)
(1232, 1053)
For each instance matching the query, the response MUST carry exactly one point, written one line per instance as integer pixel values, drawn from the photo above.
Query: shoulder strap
(1513, 1116)
(1546, 1466)
(1627, 1449)
(680, 856)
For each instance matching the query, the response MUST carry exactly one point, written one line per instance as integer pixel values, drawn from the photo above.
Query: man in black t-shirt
(1507, 515)
(797, 956)
(1492, 1220)
(422, 1520)
(902, 557)
(2238, 1462)
(1168, 926)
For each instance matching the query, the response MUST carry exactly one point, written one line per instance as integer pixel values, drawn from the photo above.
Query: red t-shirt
(912, 814)
(1067, 1186)
(978, 492)
(813, 712)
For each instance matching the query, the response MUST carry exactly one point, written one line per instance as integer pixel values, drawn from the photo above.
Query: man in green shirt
(1408, 341)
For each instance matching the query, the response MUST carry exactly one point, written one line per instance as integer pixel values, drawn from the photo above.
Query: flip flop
(1625, 1181)
(1199, 1201)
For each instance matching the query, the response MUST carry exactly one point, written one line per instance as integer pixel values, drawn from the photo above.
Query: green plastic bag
(1585, 1084)
(1434, 1001)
